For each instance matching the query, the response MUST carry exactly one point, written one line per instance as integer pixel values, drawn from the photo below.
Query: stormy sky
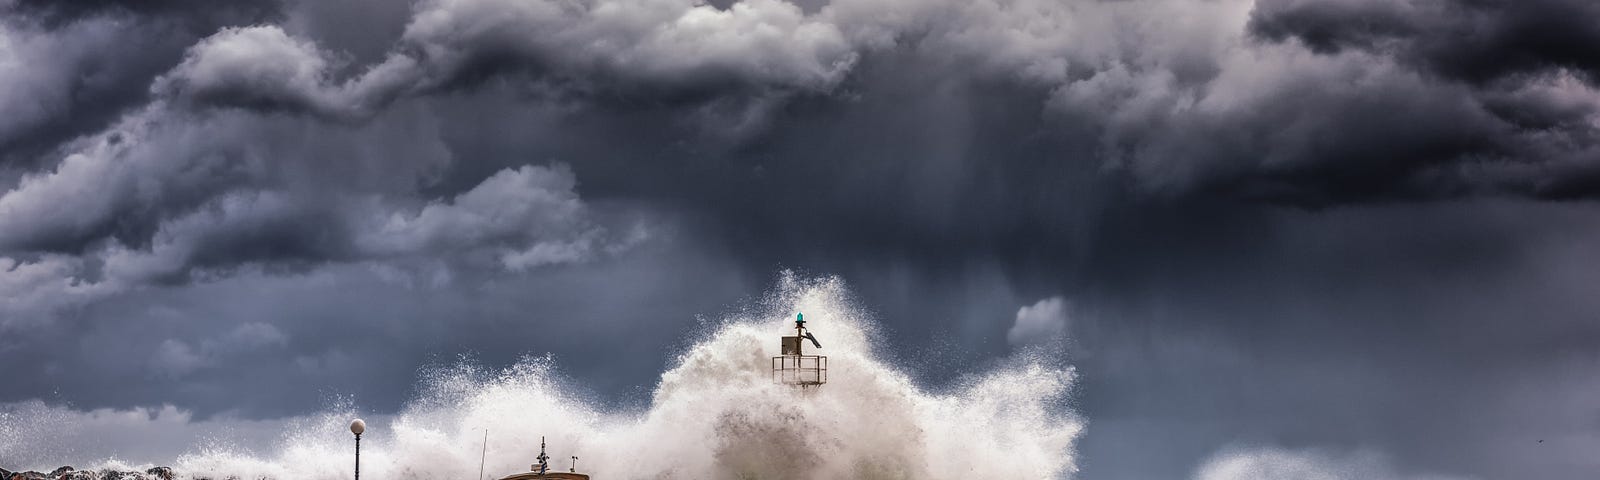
(1362, 228)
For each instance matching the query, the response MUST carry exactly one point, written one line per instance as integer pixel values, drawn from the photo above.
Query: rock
(69, 473)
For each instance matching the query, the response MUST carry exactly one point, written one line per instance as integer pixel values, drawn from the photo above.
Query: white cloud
(1280, 464)
(254, 335)
(757, 41)
(81, 193)
(670, 44)
(34, 291)
(520, 218)
(258, 66)
(1041, 322)
(176, 358)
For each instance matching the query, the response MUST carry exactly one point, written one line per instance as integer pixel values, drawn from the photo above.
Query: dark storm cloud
(73, 80)
(302, 338)
(1180, 106)
(1477, 41)
(272, 203)
(200, 15)
(166, 198)
(71, 67)
(1495, 70)
(1292, 333)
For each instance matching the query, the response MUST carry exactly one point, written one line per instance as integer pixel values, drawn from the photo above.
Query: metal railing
(800, 369)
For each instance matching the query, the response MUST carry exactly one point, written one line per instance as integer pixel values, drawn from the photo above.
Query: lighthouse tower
(794, 367)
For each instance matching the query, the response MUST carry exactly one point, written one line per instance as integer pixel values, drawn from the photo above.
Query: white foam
(714, 415)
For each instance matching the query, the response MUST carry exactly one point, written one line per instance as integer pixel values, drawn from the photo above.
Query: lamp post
(357, 426)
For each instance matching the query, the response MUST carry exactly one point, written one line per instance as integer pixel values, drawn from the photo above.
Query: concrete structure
(546, 476)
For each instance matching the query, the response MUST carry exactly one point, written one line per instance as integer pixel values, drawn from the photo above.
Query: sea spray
(715, 415)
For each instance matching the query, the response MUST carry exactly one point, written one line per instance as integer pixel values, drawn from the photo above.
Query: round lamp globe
(357, 426)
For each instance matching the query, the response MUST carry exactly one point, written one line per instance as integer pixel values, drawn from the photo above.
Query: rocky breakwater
(69, 473)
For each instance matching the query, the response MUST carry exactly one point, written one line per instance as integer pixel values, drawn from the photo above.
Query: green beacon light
(800, 318)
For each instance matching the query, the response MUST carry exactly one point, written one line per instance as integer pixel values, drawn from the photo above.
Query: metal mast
(544, 460)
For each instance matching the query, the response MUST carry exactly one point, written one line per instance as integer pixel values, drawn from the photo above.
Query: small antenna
(574, 464)
(485, 455)
(544, 463)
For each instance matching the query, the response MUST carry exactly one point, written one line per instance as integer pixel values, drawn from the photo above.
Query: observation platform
(803, 370)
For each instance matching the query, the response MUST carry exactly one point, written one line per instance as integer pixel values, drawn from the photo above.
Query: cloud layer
(1256, 208)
